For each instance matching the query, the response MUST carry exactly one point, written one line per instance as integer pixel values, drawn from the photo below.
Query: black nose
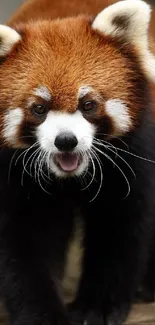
(66, 141)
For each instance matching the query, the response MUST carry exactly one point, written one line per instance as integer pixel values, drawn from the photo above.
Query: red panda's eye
(39, 109)
(88, 106)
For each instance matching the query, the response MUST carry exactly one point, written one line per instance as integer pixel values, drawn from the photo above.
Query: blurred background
(7, 7)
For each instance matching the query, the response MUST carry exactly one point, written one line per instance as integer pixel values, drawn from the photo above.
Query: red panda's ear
(8, 38)
(129, 20)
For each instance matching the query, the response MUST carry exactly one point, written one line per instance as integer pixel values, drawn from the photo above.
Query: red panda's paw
(96, 317)
(80, 314)
(93, 317)
(117, 315)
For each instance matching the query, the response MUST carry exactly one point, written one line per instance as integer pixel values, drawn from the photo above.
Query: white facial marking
(56, 123)
(43, 92)
(12, 120)
(9, 37)
(84, 90)
(119, 113)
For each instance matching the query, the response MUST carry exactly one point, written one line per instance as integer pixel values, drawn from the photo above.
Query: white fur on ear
(8, 38)
(129, 19)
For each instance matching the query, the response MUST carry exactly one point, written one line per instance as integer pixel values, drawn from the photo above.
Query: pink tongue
(67, 161)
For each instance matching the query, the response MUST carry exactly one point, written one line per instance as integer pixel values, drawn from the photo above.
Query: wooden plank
(142, 314)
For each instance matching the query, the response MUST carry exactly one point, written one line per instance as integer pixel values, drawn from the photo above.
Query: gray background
(8, 6)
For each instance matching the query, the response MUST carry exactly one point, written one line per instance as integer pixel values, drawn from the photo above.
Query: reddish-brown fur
(47, 9)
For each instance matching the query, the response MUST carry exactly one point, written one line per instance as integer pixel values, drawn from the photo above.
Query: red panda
(77, 134)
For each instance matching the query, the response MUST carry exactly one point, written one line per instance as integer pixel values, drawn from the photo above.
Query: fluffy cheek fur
(119, 115)
(56, 123)
(13, 119)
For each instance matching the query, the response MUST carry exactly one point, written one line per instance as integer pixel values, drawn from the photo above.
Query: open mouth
(67, 161)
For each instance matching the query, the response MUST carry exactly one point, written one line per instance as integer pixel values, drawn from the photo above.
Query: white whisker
(114, 137)
(132, 171)
(93, 175)
(24, 157)
(110, 148)
(38, 173)
(25, 164)
(121, 171)
(40, 166)
(34, 154)
(136, 156)
(10, 165)
(105, 144)
(101, 175)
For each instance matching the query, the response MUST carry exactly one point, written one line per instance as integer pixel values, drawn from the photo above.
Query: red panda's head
(64, 82)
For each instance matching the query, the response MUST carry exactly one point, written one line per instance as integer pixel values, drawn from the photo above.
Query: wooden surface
(143, 314)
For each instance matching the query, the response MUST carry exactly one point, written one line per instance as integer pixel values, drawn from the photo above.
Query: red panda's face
(66, 83)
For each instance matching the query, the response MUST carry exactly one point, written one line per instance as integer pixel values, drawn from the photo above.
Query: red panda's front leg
(31, 302)
(32, 244)
(30, 295)
(115, 255)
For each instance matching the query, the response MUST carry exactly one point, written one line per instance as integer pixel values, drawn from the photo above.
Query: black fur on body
(36, 227)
